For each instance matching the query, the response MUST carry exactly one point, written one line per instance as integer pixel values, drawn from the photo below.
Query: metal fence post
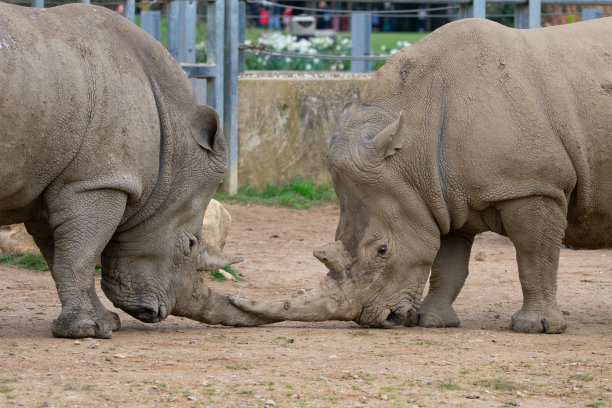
(528, 15)
(129, 10)
(187, 31)
(361, 33)
(38, 3)
(230, 109)
(591, 13)
(172, 32)
(150, 21)
(241, 34)
(475, 9)
(215, 52)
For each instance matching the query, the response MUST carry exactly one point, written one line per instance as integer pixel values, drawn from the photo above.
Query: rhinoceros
(103, 150)
(477, 127)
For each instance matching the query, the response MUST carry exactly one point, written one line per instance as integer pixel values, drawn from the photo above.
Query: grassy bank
(297, 194)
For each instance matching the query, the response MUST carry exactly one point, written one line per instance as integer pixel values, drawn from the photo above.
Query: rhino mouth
(142, 306)
(144, 313)
(401, 316)
(397, 319)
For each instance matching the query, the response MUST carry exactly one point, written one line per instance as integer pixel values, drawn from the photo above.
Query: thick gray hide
(477, 127)
(102, 148)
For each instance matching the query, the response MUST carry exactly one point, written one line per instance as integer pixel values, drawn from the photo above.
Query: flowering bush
(316, 45)
(383, 50)
(290, 43)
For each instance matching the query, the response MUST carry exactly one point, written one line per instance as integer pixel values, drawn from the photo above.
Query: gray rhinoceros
(475, 128)
(103, 150)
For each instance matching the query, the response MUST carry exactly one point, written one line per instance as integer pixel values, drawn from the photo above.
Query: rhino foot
(549, 320)
(112, 319)
(77, 323)
(438, 316)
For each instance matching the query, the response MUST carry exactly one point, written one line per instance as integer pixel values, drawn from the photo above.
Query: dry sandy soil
(336, 364)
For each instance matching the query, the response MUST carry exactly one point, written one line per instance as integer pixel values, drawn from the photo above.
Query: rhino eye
(191, 243)
(382, 250)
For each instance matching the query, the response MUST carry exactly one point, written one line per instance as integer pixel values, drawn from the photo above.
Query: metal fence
(226, 20)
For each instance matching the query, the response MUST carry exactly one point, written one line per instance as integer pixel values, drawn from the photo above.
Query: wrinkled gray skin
(103, 150)
(475, 128)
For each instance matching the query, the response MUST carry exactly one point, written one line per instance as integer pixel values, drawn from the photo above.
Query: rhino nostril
(143, 313)
(395, 319)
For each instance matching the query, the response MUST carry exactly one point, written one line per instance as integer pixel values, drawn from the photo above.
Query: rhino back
(81, 89)
(506, 113)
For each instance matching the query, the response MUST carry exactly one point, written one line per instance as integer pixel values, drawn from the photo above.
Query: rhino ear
(206, 129)
(391, 138)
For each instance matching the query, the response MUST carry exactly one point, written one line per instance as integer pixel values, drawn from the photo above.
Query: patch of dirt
(337, 364)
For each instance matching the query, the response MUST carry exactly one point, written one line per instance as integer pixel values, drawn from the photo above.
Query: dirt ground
(337, 364)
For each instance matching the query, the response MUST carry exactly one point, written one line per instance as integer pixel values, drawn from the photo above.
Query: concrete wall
(285, 122)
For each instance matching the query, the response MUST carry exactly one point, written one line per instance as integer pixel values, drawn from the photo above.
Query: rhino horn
(211, 259)
(212, 307)
(326, 302)
(333, 256)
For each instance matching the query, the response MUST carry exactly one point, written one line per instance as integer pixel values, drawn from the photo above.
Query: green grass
(29, 260)
(218, 276)
(500, 384)
(297, 194)
(448, 384)
(597, 404)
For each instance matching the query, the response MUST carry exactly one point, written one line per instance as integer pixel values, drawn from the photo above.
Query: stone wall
(285, 122)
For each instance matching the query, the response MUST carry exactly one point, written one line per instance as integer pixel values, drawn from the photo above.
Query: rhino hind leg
(536, 226)
(448, 274)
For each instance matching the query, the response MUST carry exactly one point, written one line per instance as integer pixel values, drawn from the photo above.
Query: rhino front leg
(83, 222)
(536, 226)
(43, 237)
(448, 274)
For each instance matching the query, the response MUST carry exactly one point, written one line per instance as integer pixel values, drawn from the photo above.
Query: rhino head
(386, 239)
(150, 268)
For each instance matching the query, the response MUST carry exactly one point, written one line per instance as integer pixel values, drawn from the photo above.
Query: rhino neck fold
(163, 184)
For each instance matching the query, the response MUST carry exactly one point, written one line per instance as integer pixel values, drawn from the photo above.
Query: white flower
(308, 67)
(315, 61)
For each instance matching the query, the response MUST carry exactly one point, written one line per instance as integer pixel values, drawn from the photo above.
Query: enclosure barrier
(216, 81)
